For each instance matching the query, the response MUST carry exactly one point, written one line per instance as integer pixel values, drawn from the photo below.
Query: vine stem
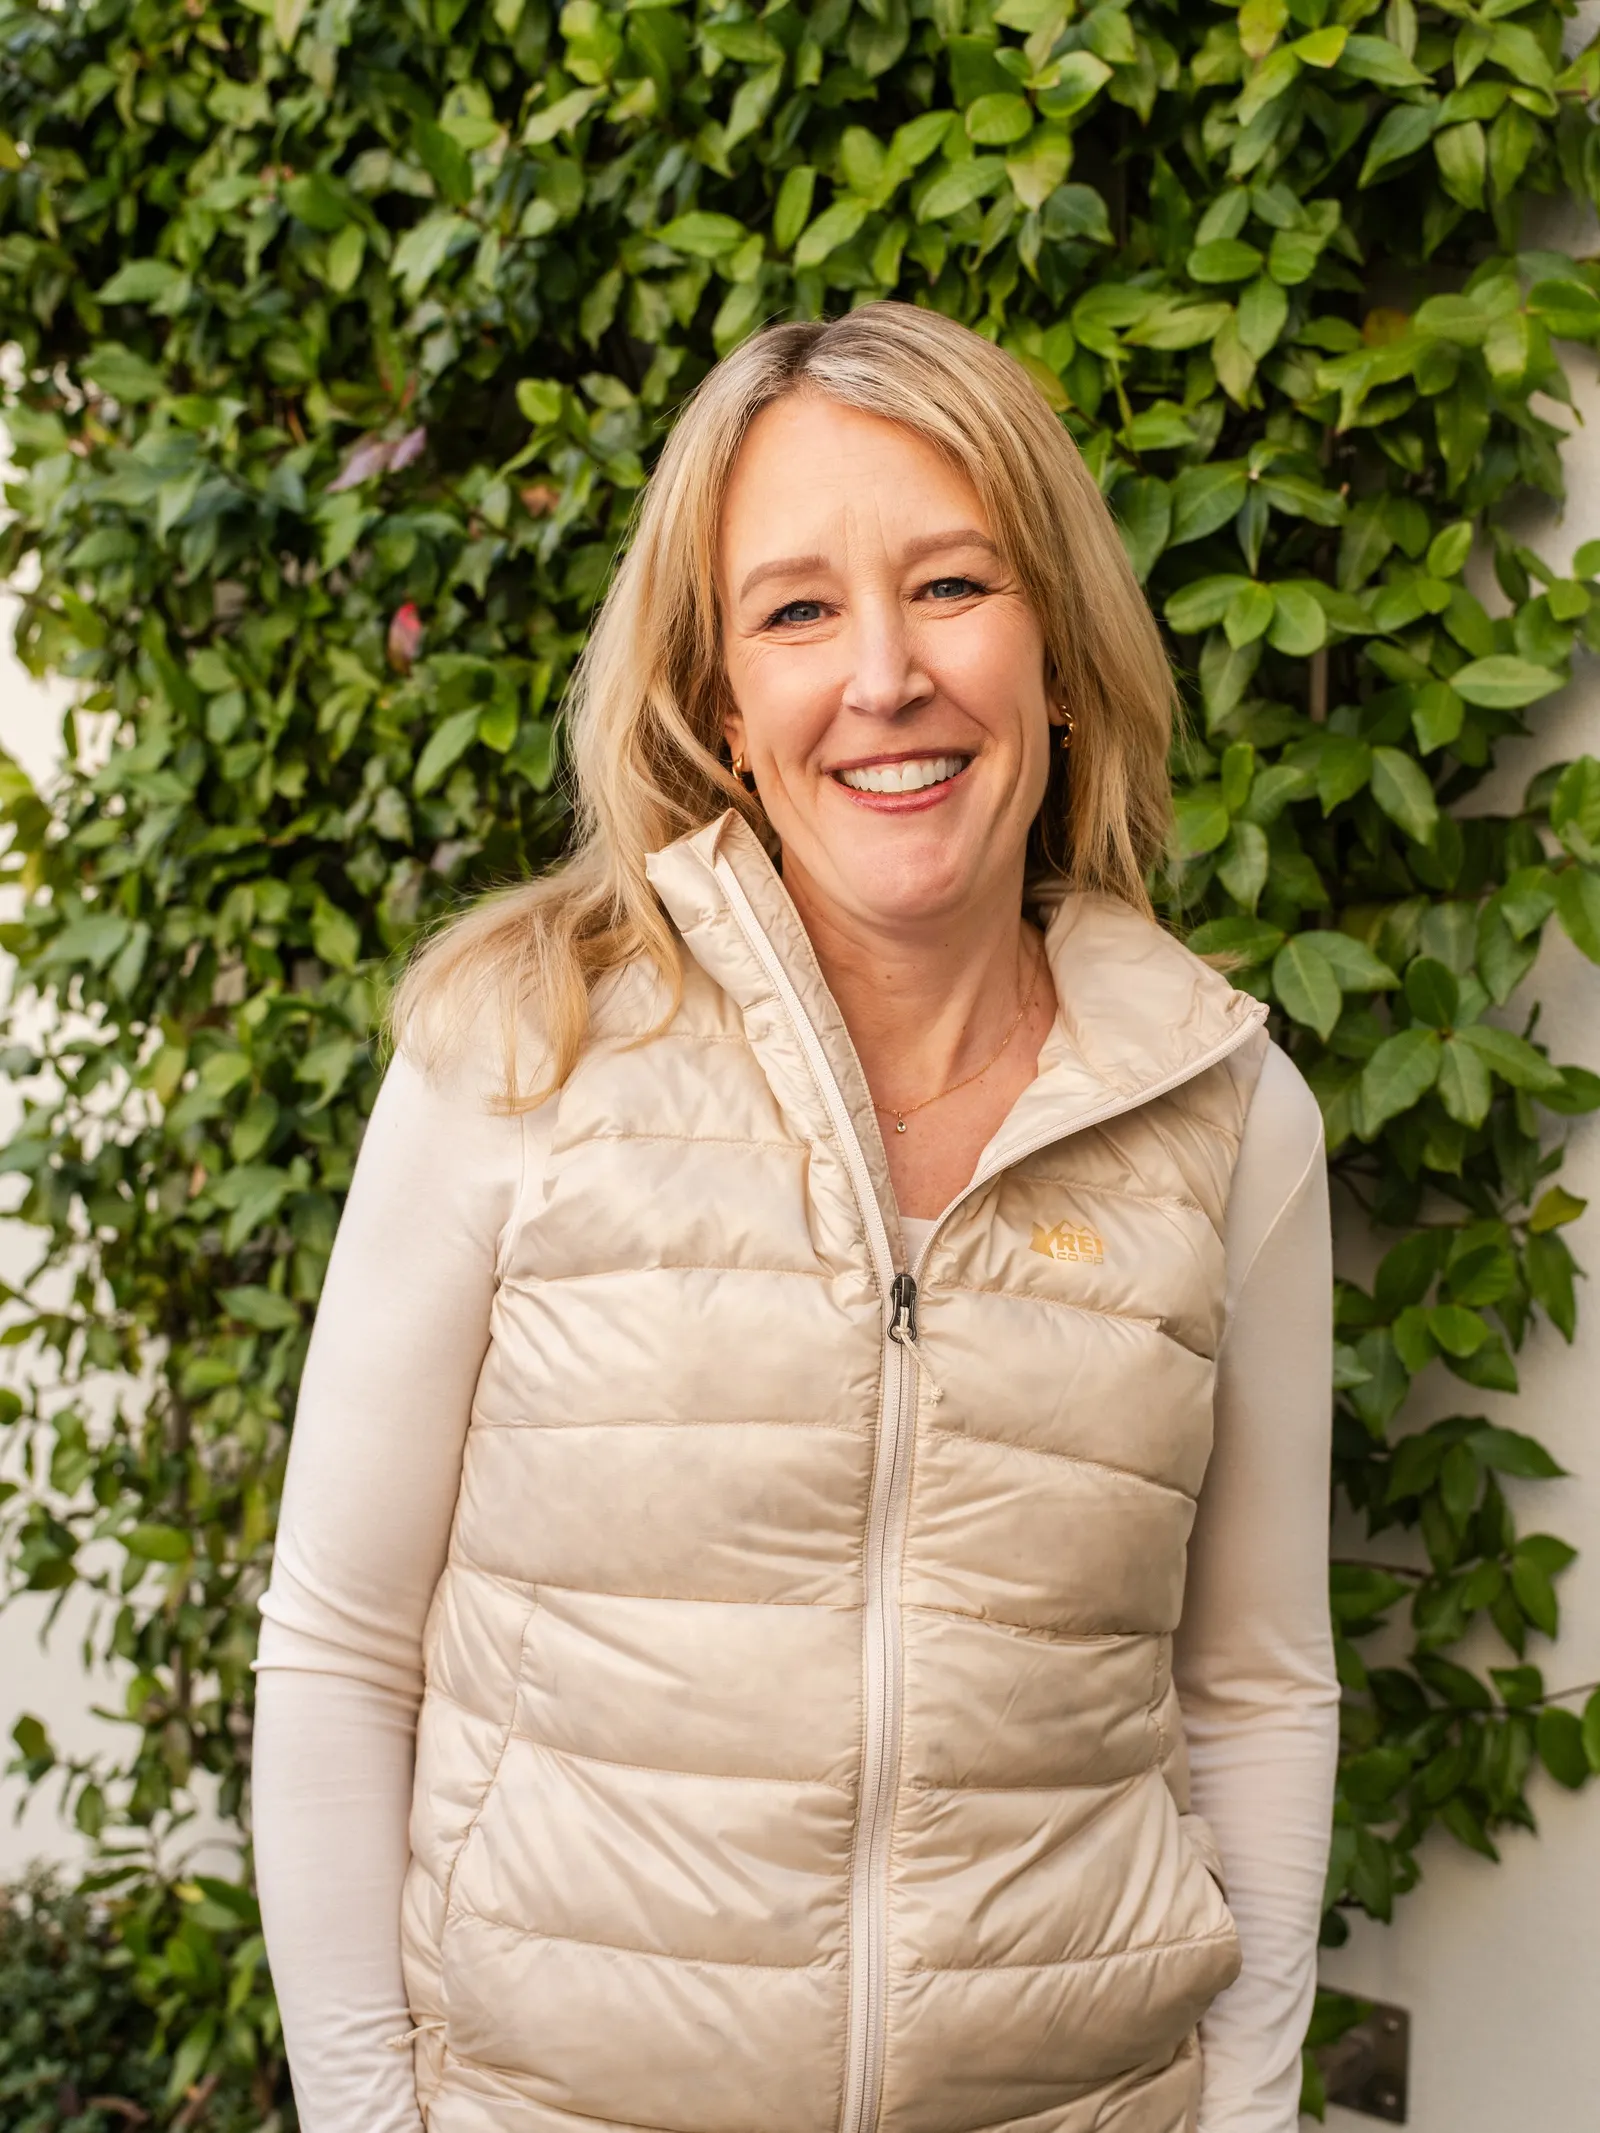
(1583, 1688)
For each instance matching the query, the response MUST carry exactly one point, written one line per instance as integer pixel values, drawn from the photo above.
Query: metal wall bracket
(1367, 2069)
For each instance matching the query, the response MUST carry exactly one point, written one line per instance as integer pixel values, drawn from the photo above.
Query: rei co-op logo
(1069, 1240)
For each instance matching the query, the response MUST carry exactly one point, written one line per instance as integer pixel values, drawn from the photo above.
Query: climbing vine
(342, 335)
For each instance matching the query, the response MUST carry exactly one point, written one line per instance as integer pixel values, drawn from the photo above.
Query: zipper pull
(903, 1330)
(903, 1301)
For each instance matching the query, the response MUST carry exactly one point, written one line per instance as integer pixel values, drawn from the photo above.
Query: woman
(772, 1354)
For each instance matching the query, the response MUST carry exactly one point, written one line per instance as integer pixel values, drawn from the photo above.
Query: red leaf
(405, 635)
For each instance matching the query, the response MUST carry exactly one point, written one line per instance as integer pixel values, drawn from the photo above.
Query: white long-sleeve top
(401, 1333)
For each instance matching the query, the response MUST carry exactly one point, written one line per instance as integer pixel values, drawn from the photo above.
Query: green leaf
(1591, 1731)
(703, 235)
(957, 186)
(1520, 1686)
(1437, 716)
(1536, 1595)
(566, 113)
(1303, 499)
(1399, 1074)
(1511, 1057)
(345, 254)
(1569, 309)
(1299, 621)
(335, 936)
(1305, 982)
(793, 208)
(423, 250)
(1201, 820)
(1578, 907)
(1071, 83)
(1204, 498)
(1225, 259)
(1375, 59)
(1249, 612)
(1401, 788)
(126, 376)
(1344, 768)
(1459, 1332)
(1504, 683)
(261, 1308)
(995, 121)
(1404, 130)
(1462, 154)
(1561, 1747)
(1202, 605)
(1322, 48)
(1465, 1088)
(1351, 961)
(448, 742)
(1448, 550)
(1575, 809)
(1509, 1452)
(1144, 517)
(540, 401)
(1076, 211)
(836, 225)
(1432, 991)
(1251, 939)
(441, 155)
(154, 282)
(157, 1544)
(1243, 863)
(1556, 1207)
(1037, 169)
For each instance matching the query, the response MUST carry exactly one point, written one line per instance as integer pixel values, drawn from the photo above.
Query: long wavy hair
(645, 708)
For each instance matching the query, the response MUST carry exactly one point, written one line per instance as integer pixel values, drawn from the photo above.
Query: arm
(373, 1472)
(1254, 1657)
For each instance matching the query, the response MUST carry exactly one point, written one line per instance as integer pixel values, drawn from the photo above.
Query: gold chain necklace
(901, 1112)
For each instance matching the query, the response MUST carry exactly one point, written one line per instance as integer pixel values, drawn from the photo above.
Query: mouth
(914, 774)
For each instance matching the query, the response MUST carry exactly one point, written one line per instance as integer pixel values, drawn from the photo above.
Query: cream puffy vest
(799, 1751)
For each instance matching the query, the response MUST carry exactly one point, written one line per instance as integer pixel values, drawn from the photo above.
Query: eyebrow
(926, 544)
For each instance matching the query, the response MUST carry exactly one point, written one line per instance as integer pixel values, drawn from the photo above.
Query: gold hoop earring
(1067, 724)
(738, 764)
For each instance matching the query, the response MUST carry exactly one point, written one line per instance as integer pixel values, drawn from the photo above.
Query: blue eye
(952, 588)
(796, 611)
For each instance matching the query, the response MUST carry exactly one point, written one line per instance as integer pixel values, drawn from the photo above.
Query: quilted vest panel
(785, 1767)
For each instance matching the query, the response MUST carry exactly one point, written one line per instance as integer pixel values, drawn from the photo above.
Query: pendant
(899, 1125)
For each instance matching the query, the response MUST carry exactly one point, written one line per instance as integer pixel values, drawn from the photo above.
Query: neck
(925, 1004)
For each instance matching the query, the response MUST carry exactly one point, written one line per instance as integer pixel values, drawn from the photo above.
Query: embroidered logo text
(1070, 1240)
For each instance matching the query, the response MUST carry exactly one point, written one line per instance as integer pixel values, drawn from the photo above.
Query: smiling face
(886, 668)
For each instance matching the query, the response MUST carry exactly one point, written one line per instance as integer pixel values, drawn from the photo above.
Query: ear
(733, 733)
(1053, 693)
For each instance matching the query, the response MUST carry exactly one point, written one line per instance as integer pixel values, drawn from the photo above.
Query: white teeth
(912, 776)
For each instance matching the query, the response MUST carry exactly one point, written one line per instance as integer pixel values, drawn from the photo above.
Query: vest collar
(1136, 1011)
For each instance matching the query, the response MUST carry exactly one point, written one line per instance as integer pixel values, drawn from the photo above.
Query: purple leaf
(371, 456)
(410, 447)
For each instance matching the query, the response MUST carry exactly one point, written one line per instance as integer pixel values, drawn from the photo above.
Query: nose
(886, 675)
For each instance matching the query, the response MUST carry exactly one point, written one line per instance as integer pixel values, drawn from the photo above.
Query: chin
(908, 885)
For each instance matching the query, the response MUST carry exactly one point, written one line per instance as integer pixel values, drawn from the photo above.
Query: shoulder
(1283, 1127)
(1280, 1181)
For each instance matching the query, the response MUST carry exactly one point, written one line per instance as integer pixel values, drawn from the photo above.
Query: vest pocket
(1197, 1834)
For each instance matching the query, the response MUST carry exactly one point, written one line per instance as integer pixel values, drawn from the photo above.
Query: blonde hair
(645, 708)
